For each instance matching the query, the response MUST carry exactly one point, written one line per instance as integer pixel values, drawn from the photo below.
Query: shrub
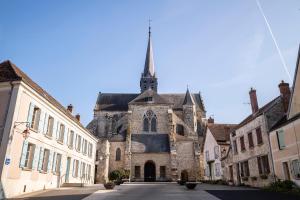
(119, 174)
(283, 186)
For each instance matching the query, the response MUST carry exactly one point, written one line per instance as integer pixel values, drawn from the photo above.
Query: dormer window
(148, 99)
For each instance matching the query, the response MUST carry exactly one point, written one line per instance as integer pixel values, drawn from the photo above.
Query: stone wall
(186, 158)
(113, 163)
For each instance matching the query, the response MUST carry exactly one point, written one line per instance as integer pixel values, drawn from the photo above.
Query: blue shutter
(23, 153)
(66, 135)
(36, 157)
(49, 162)
(46, 123)
(54, 161)
(30, 113)
(41, 122)
(41, 158)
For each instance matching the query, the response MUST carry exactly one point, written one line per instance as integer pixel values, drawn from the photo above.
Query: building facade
(285, 138)
(42, 144)
(250, 159)
(216, 146)
(157, 137)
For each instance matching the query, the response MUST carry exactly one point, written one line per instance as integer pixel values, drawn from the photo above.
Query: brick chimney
(285, 94)
(77, 117)
(70, 108)
(210, 120)
(253, 100)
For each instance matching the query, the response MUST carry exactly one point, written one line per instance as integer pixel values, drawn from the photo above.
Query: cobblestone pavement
(159, 191)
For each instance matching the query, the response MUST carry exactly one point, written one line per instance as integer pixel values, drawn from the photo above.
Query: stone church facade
(158, 137)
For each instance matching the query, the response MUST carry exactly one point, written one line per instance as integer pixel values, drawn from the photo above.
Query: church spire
(188, 99)
(149, 62)
(148, 79)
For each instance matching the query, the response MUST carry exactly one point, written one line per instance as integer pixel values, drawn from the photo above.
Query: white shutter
(36, 157)
(41, 157)
(57, 130)
(23, 153)
(41, 122)
(30, 113)
(46, 123)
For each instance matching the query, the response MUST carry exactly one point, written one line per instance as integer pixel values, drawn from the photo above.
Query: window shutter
(53, 162)
(60, 166)
(49, 161)
(23, 154)
(73, 171)
(259, 165)
(41, 123)
(30, 113)
(280, 137)
(66, 135)
(36, 157)
(41, 158)
(57, 131)
(79, 167)
(46, 123)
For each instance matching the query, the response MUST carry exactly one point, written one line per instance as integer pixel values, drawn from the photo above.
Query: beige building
(249, 161)
(285, 137)
(42, 144)
(216, 146)
(157, 137)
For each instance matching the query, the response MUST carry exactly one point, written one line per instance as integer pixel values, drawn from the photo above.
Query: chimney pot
(70, 108)
(253, 100)
(77, 117)
(285, 94)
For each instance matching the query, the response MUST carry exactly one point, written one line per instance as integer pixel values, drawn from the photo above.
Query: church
(156, 137)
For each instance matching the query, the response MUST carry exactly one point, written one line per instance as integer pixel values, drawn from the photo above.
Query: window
(61, 133)
(82, 172)
(89, 169)
(234, 146)
(263, 165)
(259, 136)
(35, 118)
(149, 121)
(118, 154)
(218, 169)
(280, 139)
(179, 129)
(71, 139)
(84, 146)
(153, 124)
(245, 169)
(49, 131)
(75, 168)
(78, 142)
(146, 125)
(162, 171)
(250, 139)
(217, 152)
(27, 155)
(90, 150)
(137, 171)
(243, 148)
(45, 162)
(296, 168)
(57, 163)
(207, 155)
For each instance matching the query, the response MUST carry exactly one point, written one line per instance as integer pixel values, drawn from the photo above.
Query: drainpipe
(270, 149)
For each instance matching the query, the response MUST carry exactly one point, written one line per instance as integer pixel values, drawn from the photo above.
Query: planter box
(264, 176)
(254, 178)
(191, 185)
(109, 185)
(245, 178)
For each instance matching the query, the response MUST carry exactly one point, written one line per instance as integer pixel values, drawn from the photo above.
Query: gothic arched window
(149, 121)
(146, 124)
(118, 154)
(153, 124)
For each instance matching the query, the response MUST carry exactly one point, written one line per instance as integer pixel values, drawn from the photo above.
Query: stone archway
(149, 171)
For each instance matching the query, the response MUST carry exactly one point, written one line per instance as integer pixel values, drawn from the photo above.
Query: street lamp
(26, 131)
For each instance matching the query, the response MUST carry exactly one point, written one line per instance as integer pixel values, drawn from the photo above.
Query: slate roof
(10, 72)
(221, 132)
(153, 143)
(188, 100)
(120, 101)
(259, 112)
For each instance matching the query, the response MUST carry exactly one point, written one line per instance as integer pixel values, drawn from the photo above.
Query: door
(68, 169)
(231, 172)
(238, 174)
(149, 171)
(286, 171)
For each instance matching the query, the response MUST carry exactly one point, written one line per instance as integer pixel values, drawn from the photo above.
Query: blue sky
(75, 49)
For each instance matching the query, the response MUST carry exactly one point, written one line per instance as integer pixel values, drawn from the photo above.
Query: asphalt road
(160, 191)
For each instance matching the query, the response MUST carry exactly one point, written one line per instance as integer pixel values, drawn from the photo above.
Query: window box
(264, 176)
(245, 178)
(60, 142)
(253, 178)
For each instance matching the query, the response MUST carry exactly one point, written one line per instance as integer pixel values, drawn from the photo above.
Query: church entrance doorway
(149, 171)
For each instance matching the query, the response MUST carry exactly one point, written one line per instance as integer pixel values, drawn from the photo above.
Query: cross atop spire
(149, 28)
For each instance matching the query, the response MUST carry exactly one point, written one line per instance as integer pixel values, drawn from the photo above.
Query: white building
(216, 145)
(42, 144)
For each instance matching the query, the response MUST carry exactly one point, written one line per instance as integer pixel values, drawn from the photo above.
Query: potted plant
(109, 185)
(263, 176)
(191, 185)
(245, 178)
(116, 177)
(253, 178)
